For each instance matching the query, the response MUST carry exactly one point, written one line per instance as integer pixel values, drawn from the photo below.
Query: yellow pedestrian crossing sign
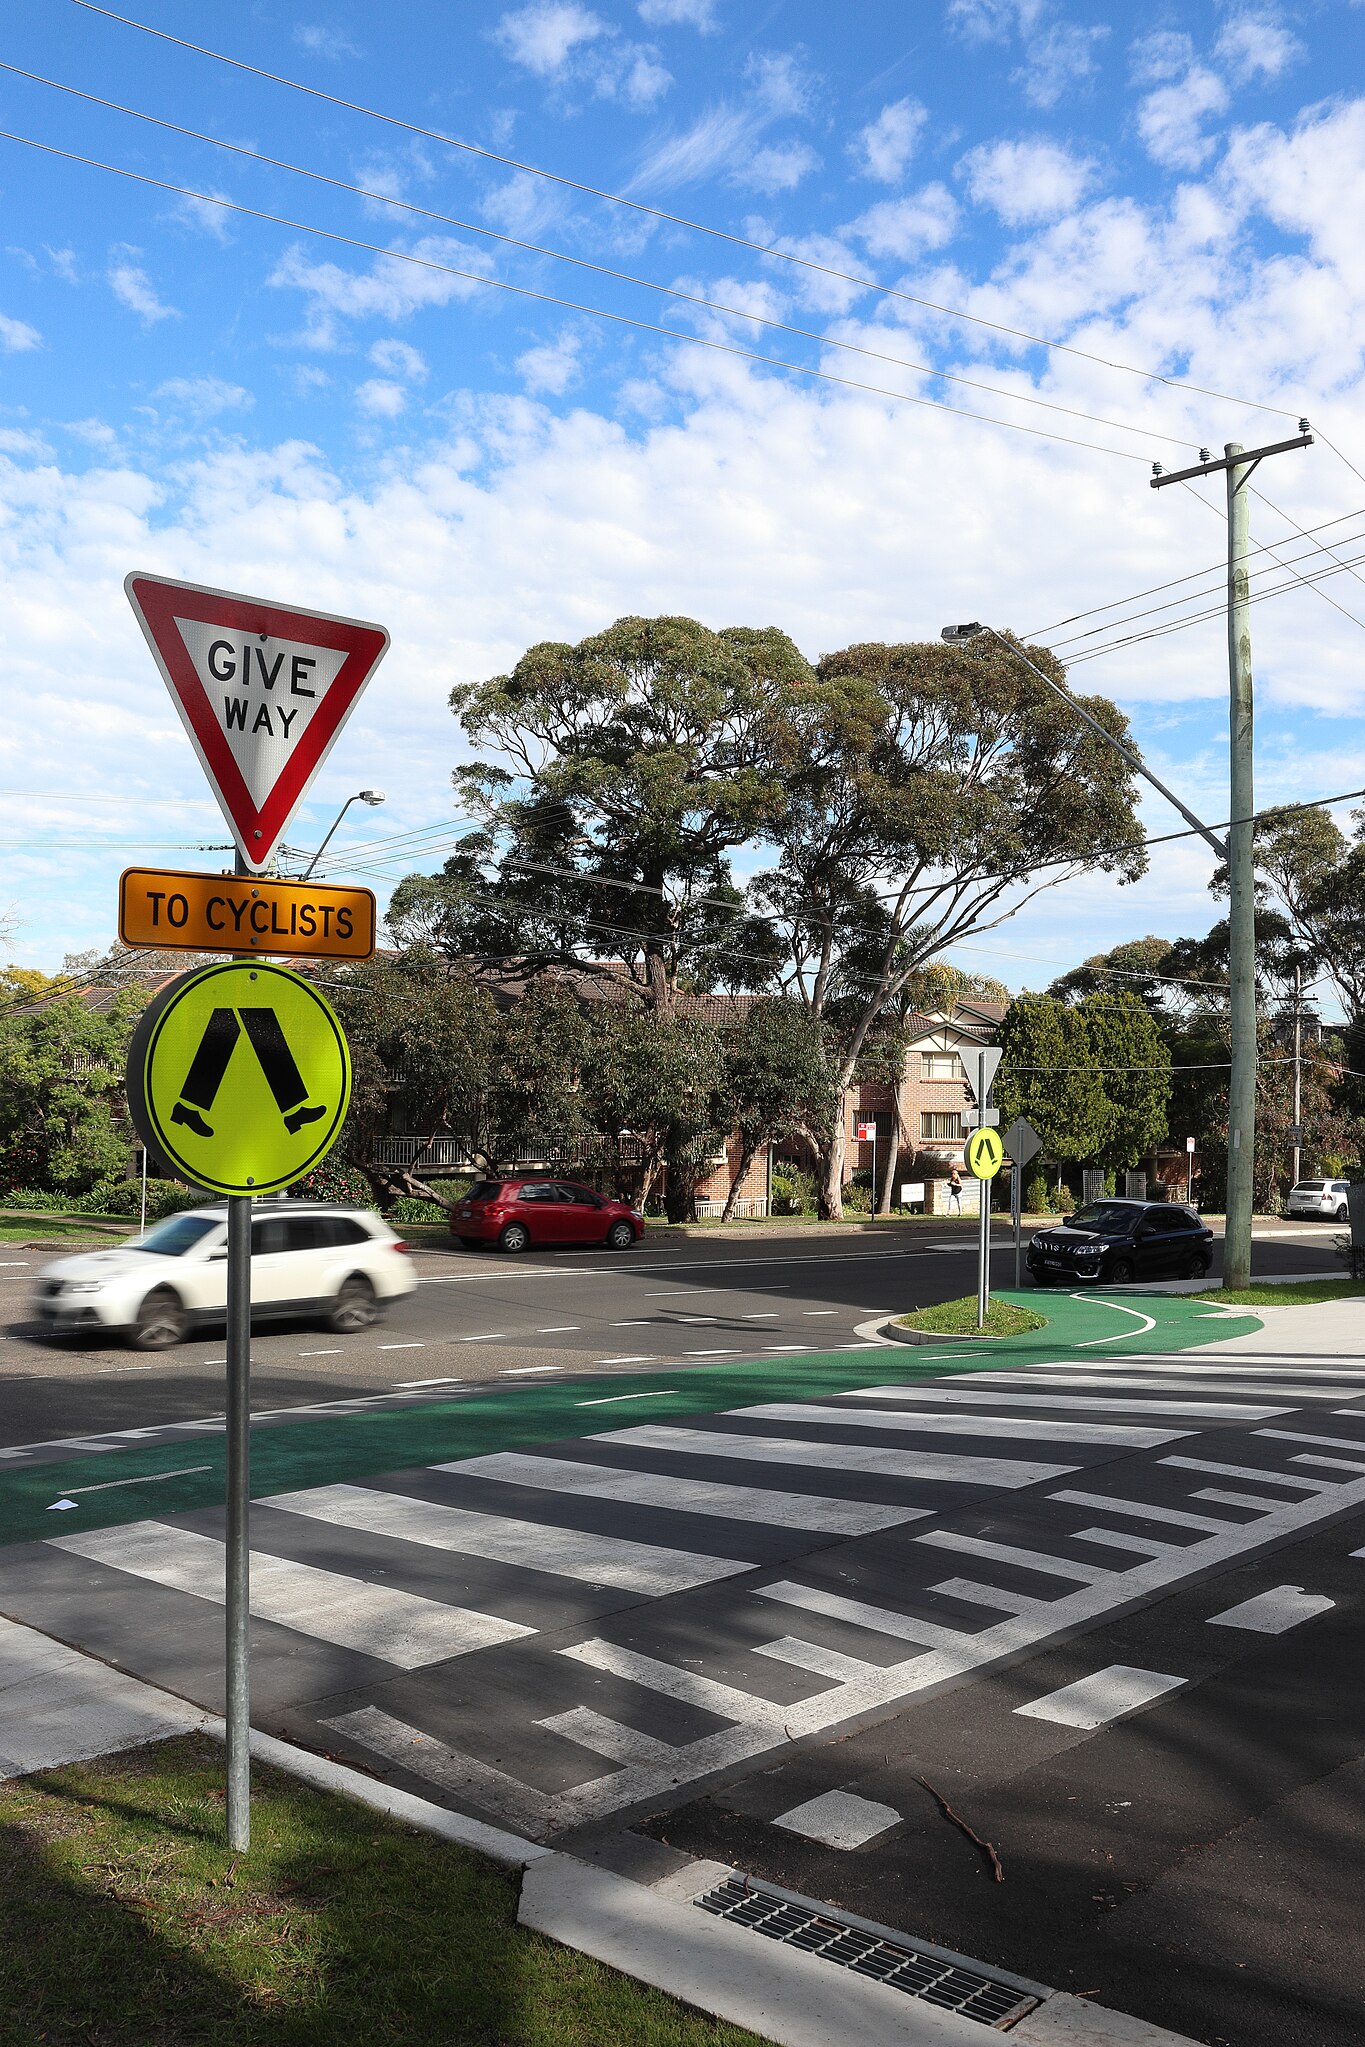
(239, 1077)
(984, 1153)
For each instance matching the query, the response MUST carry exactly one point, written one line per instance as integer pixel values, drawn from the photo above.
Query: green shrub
(43, 1201)
(334, 1180)
(1035, 1197)
(164, 1197)
(409, 1209)
(793, 1193)
(858, 1198)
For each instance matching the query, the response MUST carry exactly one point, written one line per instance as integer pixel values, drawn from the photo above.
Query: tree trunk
(745, 1160)
(893, 1155)
(389, 1183)
(830, 1195)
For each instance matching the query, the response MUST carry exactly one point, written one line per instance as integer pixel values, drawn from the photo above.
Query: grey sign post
(987, 1062)
(1022, 1143)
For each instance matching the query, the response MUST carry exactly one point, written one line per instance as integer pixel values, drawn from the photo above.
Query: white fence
(750, 1206)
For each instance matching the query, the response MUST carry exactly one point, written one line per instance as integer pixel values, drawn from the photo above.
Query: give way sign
(262, 690)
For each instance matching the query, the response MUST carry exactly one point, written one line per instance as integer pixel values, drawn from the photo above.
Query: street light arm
(328, 840)
(1134, 760)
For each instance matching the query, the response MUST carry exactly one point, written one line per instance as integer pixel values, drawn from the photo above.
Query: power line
(1295, 582)
(599, 269)
(550, 299)
(768, 250)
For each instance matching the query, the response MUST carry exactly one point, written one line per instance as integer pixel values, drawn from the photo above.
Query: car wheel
(1121, 1272)
(470, 1243)
(515, 1237)
(621, 1235)
(356, 1306)
(161, 1321)
(1195, 1266)
(1342, 1213)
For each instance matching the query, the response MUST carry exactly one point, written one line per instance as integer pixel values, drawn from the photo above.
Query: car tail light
(396, 1246)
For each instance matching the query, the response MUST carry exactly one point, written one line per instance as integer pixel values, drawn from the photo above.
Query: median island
(958, 1318)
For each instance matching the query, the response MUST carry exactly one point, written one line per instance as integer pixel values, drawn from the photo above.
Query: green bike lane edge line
(290, 1456)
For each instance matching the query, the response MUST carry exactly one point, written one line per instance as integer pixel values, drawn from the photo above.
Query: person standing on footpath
(955, 1192)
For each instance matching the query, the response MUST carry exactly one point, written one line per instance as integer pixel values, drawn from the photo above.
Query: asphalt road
(1097, 1600)
(478, 1316)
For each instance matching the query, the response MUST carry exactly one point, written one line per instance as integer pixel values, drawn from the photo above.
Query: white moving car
(306, 1258)
(1321, 1198)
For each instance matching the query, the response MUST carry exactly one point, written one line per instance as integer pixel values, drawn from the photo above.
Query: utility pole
(1296, 1149)
(1238, 464)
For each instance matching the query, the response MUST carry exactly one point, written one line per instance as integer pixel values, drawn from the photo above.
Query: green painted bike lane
(289, 1456)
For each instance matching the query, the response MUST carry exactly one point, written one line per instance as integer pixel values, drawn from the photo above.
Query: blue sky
(225, 399)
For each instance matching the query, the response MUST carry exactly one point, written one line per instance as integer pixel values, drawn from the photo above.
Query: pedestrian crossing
(641, 1607)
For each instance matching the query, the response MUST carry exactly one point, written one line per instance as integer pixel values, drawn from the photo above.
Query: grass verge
(1299, 1296)
(124, 1920)
(958, 1318)
(61, 1229)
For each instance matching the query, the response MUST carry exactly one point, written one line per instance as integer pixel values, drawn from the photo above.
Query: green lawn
(124, 1922)
(62, 1229)
(958, 1318)
(1299, 1296)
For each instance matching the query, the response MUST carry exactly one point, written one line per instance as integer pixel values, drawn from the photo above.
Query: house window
(940, 1126)
(940, 1066)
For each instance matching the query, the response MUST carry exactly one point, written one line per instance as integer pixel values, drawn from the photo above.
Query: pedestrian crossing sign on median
(984, 1153)
(239, 1077)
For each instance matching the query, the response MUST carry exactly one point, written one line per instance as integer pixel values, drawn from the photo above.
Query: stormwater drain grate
(928, 1973)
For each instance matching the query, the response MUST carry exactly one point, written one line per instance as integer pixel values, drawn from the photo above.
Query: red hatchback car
(515, 1214)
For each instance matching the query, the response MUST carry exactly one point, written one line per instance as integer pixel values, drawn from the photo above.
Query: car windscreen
(1103, 1216)
(1309, 1187)
(177, 1235)
(484, 1190)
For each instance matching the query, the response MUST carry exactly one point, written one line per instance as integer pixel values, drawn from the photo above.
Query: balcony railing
(447, 1153)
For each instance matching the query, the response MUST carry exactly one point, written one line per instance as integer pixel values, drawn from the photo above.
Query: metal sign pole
(983, 1204)
(1016, 1204)
(238, 1605)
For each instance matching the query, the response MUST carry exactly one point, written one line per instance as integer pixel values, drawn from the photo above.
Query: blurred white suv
(306, 1258)
(1324, 1199)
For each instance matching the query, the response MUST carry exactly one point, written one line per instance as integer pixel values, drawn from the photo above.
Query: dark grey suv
(1119, 1241)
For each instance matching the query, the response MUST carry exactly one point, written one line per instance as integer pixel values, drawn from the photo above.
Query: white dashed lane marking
(1103, 1696)
(1274, 1612)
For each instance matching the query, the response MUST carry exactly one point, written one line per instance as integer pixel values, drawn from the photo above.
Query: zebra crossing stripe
(922, 1464)
(687, 1495)
(562, 1552)
(380, 1621)
(464, 1776)
(1026, 1559)
(881, 1620)
(1105, 1695)
(610, 1738)
(1135, 1437)
(671, 1682)
(1152, 1384)
(1080, 1403)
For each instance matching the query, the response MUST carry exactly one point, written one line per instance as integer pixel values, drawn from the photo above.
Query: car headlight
(82, 1286)
(1096, 1250)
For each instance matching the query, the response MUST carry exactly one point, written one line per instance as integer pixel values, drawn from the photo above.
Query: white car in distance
(307, 1258)
(1326, 1199)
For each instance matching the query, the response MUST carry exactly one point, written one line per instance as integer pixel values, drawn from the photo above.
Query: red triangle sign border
(158, 601)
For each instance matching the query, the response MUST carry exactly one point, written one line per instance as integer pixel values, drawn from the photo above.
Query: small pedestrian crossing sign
(239, 1077)
(984, 1153)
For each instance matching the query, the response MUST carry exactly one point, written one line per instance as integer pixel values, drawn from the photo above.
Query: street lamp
(373, 797)
(1241, 992)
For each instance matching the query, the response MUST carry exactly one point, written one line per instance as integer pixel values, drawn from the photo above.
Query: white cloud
(727, 137)
(389, 290)
(1257, 45)
(1171, 120)
(781, 167)
(1058, 61)
(640, 80)
(698, 14)
(332, 43)
(132, 287)
(23, 441)
(204, 397)
(1166, 53)
(884, 148)
(542, 37)
(399, 359)
(381, 398)
(16, 335)
(994, 21)
(551, 368)
(63, 262)
(202, 214)
(1032, 180)
(905, 228)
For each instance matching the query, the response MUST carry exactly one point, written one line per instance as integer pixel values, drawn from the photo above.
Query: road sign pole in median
(985, 1152)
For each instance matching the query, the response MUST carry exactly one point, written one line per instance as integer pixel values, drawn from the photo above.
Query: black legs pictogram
(273, 1055)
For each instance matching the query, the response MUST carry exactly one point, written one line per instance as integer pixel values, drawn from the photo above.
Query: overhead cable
(766, 249)
(549, 299)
